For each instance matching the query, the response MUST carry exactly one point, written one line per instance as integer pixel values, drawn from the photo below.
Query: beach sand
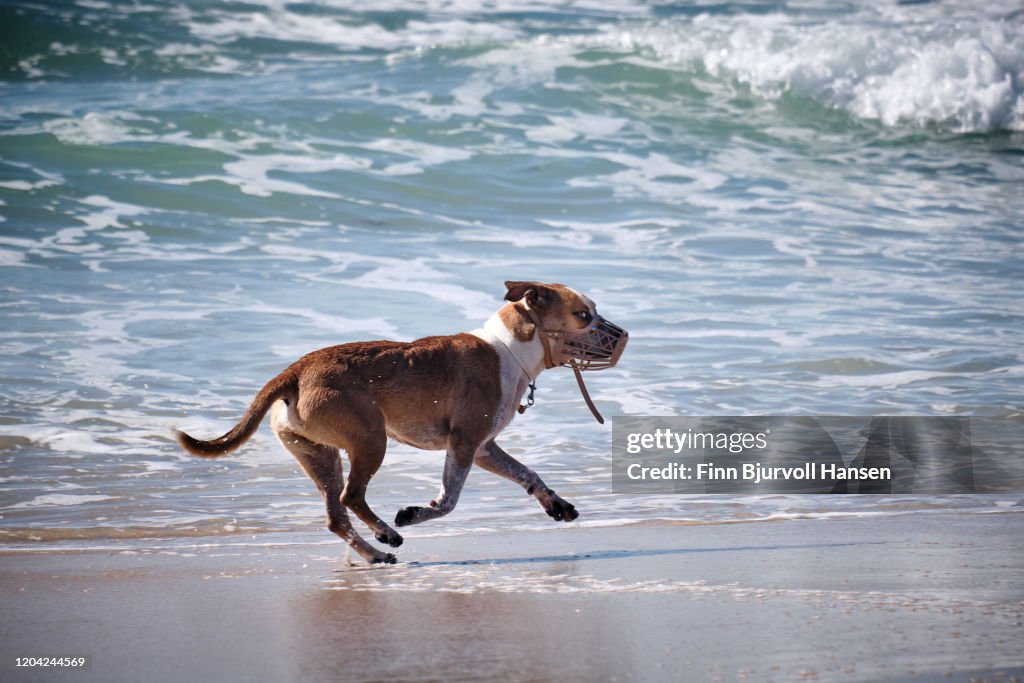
(922, 596)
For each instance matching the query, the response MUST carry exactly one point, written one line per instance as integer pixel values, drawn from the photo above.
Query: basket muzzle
(596, 347)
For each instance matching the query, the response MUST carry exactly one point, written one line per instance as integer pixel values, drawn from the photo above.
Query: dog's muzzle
(597, 347)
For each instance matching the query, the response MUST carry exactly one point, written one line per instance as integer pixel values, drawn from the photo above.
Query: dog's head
(569, 325)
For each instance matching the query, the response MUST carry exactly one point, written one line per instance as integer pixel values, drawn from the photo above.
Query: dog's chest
(513, 387)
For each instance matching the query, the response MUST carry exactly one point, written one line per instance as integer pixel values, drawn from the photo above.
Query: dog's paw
(560, 510)
(384, 558)
(406, 515)
(391, 537)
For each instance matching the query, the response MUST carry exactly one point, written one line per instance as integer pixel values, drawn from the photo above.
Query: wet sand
(923, 596)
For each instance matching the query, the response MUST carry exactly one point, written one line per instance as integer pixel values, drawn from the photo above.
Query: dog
(454, 393)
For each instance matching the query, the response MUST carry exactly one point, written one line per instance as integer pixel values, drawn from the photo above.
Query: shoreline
(913, 597)
(33, 540)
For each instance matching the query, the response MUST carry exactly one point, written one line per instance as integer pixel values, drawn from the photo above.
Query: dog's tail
(279, 387)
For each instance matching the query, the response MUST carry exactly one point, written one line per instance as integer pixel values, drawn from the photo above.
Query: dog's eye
(584, 316)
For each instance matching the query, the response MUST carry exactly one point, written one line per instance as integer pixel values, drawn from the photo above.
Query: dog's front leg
(456, 469)
(493, 459)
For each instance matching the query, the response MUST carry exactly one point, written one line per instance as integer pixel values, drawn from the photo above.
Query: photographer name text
(755, 472)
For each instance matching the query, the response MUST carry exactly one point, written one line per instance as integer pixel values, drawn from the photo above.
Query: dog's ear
(517, 290)
(533, 292)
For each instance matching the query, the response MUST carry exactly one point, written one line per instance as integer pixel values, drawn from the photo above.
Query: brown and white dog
(452, 393)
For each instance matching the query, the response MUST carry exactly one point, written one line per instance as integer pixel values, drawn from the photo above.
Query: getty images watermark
(817, 454)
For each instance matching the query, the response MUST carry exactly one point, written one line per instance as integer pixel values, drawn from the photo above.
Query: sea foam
(963, 71)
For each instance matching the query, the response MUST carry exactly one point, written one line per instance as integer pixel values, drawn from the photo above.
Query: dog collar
(529, 376)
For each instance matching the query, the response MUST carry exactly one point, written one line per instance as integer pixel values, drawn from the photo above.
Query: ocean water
(794, 207)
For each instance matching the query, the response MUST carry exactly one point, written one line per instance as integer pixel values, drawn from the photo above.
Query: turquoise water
(795, 208)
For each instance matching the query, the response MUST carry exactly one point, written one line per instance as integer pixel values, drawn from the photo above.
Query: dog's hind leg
(493, 459)
(352, 421)
(323, 465)
(365, 457)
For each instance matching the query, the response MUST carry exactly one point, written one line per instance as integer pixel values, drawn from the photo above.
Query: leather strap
(549, 360)
(583, 390)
